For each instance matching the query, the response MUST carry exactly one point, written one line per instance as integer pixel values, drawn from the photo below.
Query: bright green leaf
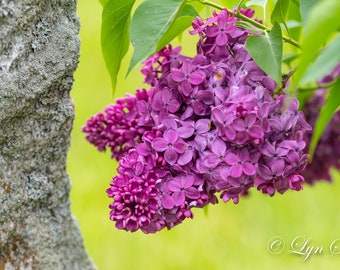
(205, 210)
(261, 3)
(317, 30)
(115, 35)
(180, 24)
(305, 8)
(331, 105)
(279, 11)
(328, 59)
(150, 22)
(230, 3)
(103, 2)
(188, 10)
(293, 24)
(266, 50)
(294, 19)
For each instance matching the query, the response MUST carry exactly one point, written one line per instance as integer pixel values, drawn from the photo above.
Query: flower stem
(316, 87)
(246, 19)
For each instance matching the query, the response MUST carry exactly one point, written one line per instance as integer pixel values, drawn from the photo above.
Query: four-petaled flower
(182, 188)
(164, 100)
(187, 76)
(170, 144)
(239, 163)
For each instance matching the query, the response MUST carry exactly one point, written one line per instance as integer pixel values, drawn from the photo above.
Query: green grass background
(227, 237)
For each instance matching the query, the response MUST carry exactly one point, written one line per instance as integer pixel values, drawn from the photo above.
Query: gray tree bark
(39, 50)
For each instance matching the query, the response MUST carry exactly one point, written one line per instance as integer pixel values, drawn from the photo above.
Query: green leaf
(293, 24)
(180, 24)
(103, 2)
(261, 3)
(266, 50)
(230, 3)
(280, 11)
(294, 19)
(205, 210)
(328, 59)
(331, 105)
(150, 22)
(289, 58)
(305, 8)
(115, 35)
(317, 30)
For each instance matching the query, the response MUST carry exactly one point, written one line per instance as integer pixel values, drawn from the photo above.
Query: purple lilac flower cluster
(327, 154)
(117, 126)
(209, 124)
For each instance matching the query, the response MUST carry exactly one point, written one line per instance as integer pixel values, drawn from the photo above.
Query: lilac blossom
(239, 163)
(182, 189)
(170, 144)
(187, 76)
(327, 154)
(209, 125)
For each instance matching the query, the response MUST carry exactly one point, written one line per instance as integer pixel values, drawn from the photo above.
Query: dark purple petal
(264, 172)
(295, 182)
(192, 193)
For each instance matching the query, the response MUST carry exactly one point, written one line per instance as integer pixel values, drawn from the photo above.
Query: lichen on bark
(39, 51)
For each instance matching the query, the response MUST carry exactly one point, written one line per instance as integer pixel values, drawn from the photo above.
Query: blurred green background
(227, 237)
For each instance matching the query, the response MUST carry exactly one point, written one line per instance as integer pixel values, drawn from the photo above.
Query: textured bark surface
(39, 50)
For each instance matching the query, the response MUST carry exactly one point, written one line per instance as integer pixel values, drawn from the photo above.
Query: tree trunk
(39, 50)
